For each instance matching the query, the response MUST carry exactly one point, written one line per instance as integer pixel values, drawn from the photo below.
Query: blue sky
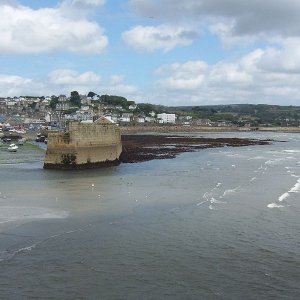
(187, 52)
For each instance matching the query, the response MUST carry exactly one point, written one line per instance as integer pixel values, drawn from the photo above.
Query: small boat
(21, 141)
(40, 138)
(6, 139)
(12, 148)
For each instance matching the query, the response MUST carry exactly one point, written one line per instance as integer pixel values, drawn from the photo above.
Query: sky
(169, 52)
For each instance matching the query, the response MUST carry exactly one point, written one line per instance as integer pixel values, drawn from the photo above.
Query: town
(53, 112)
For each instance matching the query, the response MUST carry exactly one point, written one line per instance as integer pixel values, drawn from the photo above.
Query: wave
(283, 197)
(16, 213)
(278, 160)
(293, 175)
(232, 191)
(256, 158)
(6, 255)
(291, 151)
(213, 200)
(295, 188)
(274, 205)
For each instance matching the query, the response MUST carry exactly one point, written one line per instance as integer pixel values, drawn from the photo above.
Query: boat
(6, 139)
(21, 141)
(40, 138)
(12, 148)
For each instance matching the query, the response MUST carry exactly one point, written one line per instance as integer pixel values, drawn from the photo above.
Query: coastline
(135, 129)
(182, 128)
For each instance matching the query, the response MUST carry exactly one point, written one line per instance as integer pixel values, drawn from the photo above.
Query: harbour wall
(84, 146)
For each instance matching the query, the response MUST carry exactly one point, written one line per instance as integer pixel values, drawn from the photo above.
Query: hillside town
(54, 111)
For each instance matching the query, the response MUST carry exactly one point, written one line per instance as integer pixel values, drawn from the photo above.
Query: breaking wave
(274, 205)
(295, 188)
(283, 197)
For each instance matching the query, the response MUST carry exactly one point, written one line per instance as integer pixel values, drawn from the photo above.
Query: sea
(220, 223)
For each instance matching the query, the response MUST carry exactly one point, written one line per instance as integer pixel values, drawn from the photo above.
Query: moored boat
(12, 148)
(21, 141)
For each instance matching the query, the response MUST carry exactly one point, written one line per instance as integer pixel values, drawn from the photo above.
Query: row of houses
(37, 110)
(120, 118)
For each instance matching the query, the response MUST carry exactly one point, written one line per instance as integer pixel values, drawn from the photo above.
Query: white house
(124, 119)
(62, 98)
(132, 106)
(166, 118)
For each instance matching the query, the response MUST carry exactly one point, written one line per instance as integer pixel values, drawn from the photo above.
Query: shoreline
(183, 129)
(135, 129)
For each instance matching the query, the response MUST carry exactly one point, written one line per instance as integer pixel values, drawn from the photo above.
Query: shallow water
(213, 224)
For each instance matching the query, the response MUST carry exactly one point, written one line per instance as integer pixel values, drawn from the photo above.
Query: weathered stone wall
(84, 145)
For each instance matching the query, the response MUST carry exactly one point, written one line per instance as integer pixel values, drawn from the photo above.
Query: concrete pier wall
(84, 146)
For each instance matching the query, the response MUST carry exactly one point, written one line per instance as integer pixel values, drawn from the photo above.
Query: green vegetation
(255, 115)
(53, 102)
(75, 99)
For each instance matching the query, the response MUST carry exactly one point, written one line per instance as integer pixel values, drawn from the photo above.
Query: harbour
(214, 224)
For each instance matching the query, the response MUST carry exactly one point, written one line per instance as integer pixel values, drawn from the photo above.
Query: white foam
(278, 160)
(295, 188)
(228, 192)
(219, 184)
(274, 205)
(292, 151)
(283, 197)
(6, 255)
(213, 200)
(256, 158)
(15, 213)
(252, 179)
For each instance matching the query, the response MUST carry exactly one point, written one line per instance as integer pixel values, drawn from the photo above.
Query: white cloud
(63, 82)
(73, 78)
(116, 79)
(187, 76)
(233, 21)
(150, 38)
(86, 2)
(17, 85)
(25, 30)
(250, 17)
(248, 80)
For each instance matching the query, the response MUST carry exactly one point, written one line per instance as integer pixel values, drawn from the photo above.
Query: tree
(91, 94)
(75, 99)
(53, 102)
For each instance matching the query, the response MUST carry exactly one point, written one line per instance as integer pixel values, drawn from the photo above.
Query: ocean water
(214, 224)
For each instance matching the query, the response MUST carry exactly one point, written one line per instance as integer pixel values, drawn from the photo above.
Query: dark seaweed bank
(138, 148)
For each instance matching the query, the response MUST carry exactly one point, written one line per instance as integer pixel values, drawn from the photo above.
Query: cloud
(17, 85)
(26, 31)
(243, 17)
(73, 78)
(63, 81)
(92, 3)
(254, 78)
(166, 38)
